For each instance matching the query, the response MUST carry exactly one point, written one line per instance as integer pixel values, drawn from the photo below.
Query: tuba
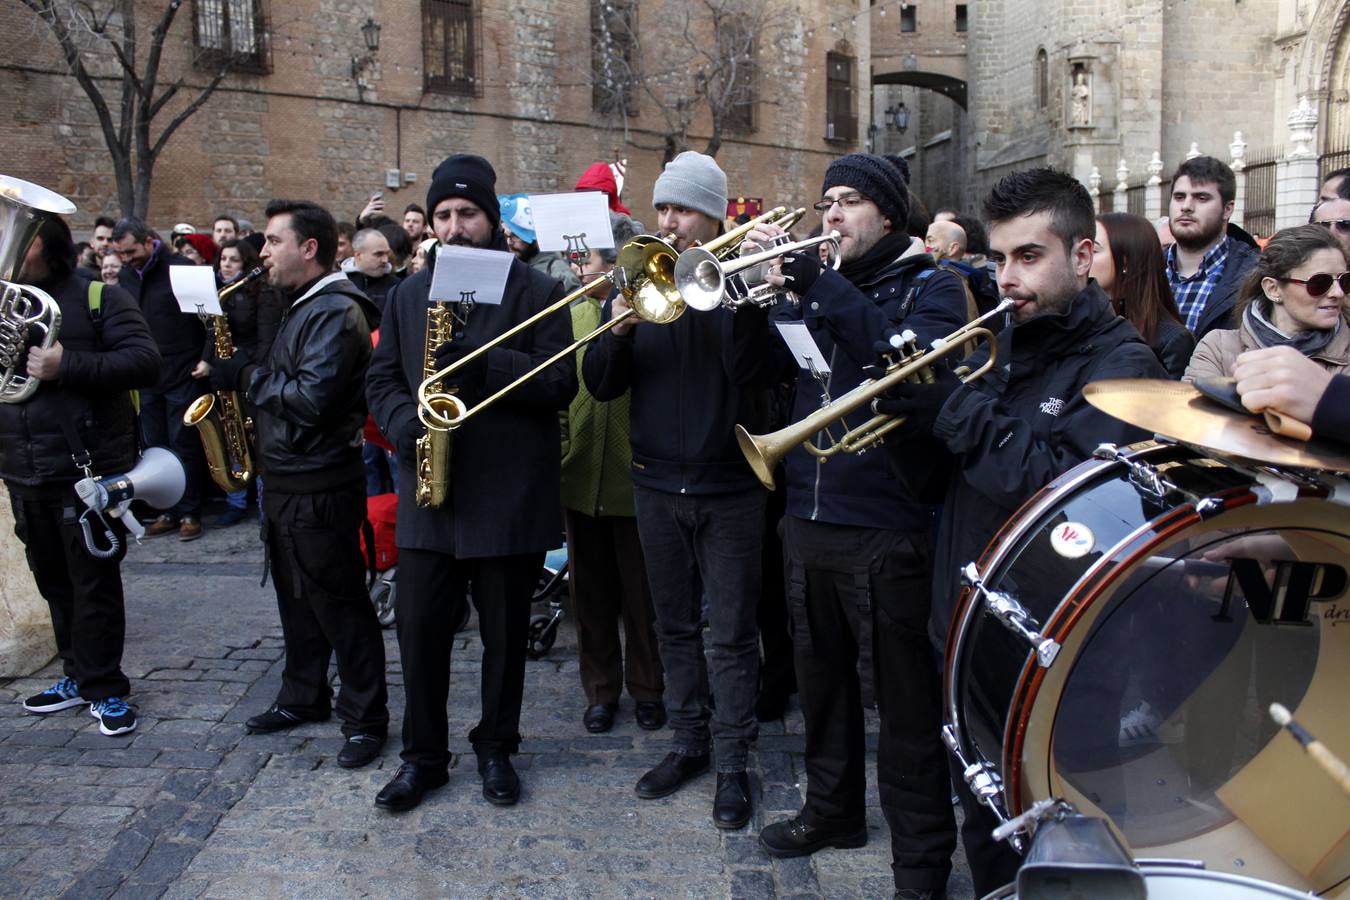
(226, 433)
(28, 316)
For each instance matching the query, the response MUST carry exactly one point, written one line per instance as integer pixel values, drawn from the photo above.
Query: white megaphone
(158, 479)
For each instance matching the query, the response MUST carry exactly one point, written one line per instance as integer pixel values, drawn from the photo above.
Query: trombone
(643, 271)
(701, 278)
(764, 451)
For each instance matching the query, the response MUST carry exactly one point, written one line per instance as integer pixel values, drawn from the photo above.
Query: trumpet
(764, 451)
(643, 271)
(702, 278)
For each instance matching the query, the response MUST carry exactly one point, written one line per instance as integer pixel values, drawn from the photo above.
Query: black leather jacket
(310, 392)
(98, 369)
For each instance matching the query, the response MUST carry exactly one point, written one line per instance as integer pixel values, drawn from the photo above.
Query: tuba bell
(28, 316)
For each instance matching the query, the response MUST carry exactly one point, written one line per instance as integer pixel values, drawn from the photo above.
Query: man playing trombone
(699, 509)
(856, 539)
(501, 510)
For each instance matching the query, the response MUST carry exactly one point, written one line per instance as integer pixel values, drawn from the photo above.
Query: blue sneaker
(114, 716)
(62, 695)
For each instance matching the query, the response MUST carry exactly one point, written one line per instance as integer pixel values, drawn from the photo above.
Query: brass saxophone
(433, 448)
(226, 433)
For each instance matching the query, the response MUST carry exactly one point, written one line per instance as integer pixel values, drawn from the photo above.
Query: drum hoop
(994, 554)
(1068, 614)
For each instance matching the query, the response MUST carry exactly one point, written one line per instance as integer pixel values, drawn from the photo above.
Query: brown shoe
(190, 529)
(163, 525)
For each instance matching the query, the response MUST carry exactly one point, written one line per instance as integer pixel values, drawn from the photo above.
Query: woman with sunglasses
(1128, 263)
(1295, 297)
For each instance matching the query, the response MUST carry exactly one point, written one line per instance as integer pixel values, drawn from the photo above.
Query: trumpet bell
(762, 456)
(699, 279)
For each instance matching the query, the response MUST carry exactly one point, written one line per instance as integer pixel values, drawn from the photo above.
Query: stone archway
(1324, 71)
(952, 88)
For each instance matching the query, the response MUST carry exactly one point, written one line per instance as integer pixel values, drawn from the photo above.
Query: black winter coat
(309, 394)
(505, 462)
(686, 403)
(846, 321)
(1219, 308)
(254, 314)
(179, 335)
(377, 289)
(1331, 419)
(1025, 423)
(97, 372)
(1174, 346)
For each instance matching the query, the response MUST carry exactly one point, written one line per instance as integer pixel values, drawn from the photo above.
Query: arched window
(1042, 79)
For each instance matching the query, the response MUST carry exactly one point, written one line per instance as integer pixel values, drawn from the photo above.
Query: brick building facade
(304, 127)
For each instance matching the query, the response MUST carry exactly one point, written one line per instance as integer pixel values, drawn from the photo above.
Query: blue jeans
(697, 545)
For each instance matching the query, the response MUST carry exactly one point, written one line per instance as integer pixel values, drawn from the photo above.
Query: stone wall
(304, 131)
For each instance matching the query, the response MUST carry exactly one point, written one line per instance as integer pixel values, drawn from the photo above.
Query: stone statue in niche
(1080, 112)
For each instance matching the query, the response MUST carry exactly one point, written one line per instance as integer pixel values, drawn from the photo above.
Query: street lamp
(370, 32)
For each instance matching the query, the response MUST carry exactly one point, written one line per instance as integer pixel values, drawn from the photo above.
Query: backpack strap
(96, 310)
(915, 289)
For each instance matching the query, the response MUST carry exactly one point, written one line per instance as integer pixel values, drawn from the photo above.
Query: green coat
(597, 460)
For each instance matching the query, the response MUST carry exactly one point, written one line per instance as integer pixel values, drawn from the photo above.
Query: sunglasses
(1341, 225)
(1320, 283)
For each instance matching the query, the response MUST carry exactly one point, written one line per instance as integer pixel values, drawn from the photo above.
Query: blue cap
(517, 216)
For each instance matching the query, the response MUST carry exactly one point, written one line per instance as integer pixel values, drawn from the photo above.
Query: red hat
(599, 177)
(204, 245)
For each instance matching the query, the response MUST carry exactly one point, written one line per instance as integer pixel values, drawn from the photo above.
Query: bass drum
(1170, 882)
(1174, 596)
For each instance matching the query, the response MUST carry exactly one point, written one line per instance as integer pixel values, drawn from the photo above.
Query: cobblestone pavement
(189, 806)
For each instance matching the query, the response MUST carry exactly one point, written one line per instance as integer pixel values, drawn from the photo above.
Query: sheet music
(804, 348)
(194, 287)
(470, 273)
(576, 214)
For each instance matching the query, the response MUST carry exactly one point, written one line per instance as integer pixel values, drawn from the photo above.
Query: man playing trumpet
(501, 510)
(856, 541)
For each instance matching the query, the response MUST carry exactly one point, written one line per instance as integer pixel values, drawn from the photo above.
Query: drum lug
(1013, 615)
(983, 782)
(1147, 480)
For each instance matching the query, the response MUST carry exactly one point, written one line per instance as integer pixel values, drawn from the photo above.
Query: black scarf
(874, 261)
(1309, 343)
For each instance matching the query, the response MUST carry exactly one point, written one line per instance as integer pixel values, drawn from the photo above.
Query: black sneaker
(359, 750)
(114, 716)
(62, 695)
(794, 837)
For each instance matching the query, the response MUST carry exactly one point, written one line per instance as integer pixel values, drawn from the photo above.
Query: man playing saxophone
(498, 509)
(310, 414)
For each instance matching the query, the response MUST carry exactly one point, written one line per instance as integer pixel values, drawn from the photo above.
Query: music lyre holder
(577, 251)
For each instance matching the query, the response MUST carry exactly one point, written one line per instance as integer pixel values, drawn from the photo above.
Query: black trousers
(319, 572)
(84, 594)
(776, 674)
(848, 588)
(161, 418)
(608, 581)
(429, 601)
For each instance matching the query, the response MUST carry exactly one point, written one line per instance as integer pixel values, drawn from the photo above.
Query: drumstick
(1316, 749)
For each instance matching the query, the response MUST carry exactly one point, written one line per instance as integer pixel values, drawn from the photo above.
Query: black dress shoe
(600, 717)
(651, 714)
(670, 774)
(501, 784)
(794, 837)
(407, 787)
(278, 718)
(360, 750)
(731, 807)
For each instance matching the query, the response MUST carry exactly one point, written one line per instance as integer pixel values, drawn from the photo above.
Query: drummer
(1025, 423)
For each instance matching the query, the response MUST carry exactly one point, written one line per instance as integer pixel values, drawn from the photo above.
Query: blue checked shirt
(1192, 294)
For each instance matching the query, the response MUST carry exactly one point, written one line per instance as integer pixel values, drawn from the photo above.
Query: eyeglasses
(847, 201)
(1341, 225)
(1319, 284)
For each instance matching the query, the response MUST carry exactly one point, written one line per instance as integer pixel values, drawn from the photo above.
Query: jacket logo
(1052, 407)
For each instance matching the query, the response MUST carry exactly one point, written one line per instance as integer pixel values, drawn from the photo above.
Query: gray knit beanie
(694, 181)
(876, 179)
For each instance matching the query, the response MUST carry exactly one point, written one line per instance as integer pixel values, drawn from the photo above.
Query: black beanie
(900, 163)
(874, 178)
(468, 176)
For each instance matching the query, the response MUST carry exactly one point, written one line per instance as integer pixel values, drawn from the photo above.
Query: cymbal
(1180, 412)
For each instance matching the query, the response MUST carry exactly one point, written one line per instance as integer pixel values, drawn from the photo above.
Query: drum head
(1179, 883)
(1161, 722)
